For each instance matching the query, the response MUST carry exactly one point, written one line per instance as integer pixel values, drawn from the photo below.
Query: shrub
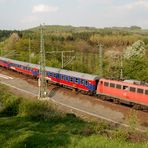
(101, 127)
(37, 110)
(120, 134)
(11, 106)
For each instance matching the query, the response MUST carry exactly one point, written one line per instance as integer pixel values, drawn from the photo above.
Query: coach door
(101, 86)
(125, 91)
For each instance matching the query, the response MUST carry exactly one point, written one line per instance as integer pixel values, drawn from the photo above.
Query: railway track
(34, 82)
(100, 97)
(82, 103)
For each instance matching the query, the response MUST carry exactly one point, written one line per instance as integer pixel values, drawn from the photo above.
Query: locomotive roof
(126, 83)
(56, 70)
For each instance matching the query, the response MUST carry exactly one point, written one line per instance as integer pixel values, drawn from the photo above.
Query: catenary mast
(42, 72)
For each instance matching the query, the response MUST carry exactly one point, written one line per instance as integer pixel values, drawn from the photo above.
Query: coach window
(139, 90)
(146, 92)
(71, 79)
(86, 83)
(62, 77)
(66, 78)
(132, 89)
(125, 87)
(106, 84)
(118, 86)
(51, 74)
(112, 85)
(77, 80)
(55, 75)
(82, 81)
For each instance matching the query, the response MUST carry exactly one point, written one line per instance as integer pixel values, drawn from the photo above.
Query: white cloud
(92, 2)
(44, 8)
(137, 4)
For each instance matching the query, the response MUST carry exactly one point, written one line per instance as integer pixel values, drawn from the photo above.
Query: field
(32, 123)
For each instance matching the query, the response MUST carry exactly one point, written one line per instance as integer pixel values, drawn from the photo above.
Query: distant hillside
(55, 28)
(60, 28)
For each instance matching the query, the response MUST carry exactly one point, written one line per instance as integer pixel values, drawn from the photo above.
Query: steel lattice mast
(100, 59)
(42, 72)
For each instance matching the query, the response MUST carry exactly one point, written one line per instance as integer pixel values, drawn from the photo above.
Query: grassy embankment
(30, 123)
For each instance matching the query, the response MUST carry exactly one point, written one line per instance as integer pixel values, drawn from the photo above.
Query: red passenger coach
(128, 92)
(4, 63)
(80, 81)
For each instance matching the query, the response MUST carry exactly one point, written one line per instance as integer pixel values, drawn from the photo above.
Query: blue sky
(22, 14)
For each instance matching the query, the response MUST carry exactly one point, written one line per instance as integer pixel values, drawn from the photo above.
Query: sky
(24, 14)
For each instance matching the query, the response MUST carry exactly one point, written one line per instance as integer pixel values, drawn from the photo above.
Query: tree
(136, 50)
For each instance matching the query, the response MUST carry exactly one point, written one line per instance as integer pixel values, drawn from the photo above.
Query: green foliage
(120, 134)
(84, 41)
(4, 34)
(137, 50)
(37, 110)
(11, 106)
(136, 68)
(39, 124)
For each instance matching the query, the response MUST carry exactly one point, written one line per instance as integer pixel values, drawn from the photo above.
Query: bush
(37, 110)
(120, 134)
(11, 106)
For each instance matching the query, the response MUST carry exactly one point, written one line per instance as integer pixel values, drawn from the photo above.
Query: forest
(124, 49)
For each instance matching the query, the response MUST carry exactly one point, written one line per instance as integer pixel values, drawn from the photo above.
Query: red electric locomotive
(125, 91)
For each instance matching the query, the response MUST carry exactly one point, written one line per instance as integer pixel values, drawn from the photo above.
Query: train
(129, 92)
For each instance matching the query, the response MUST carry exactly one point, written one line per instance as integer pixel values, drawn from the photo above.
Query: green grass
(34, 124)
(22, 132)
